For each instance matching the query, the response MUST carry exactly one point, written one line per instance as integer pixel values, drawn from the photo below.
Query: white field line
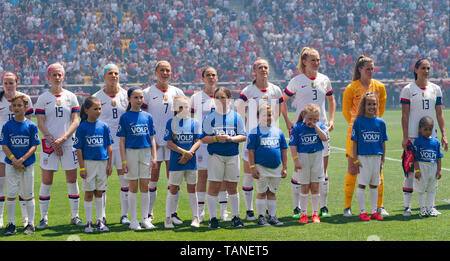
(388, 158)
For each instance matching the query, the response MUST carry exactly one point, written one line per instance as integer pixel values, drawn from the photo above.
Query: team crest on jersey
(265, 97)
(113, 103)
(313, 85)
(165, 98)
(58, 102)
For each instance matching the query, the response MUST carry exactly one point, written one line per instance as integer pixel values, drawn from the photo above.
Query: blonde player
(261, 90)
(183, 139)
(9, 84)
(158, 101)
(114, 101)
(202, 103)
(19, 139)
(419, 99)
(310, 86)
(57, 112)
(362, 84)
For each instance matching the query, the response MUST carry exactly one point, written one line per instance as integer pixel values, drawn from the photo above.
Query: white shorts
(96, 175)
(269, 179)
(176, 177)
(69, 160)
(326, 148)
(139, 163)
(116, 159)
(224, 168)
(162, 153)
(428, 181)
(244, 151)
(19, 181)
(369, 173)
(312, 167)
(2, 156)
(202, 156)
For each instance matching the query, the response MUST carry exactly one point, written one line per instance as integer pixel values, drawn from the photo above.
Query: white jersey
(422, 102)
(6, 114)
(160, 105)
(58, 110)
(202, 104)
(308, 91)
(112, 108)
(253, 97)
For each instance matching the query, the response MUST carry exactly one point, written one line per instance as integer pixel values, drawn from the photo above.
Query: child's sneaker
(147, 224)
(315, 218)
(124, 220)
(237, 222)
(250, 215)
(195, 222)
(433, 212)
(364, 217)
(273, 220)
(214, 223)
(43, 223)
(324, 212)
(297, 213)
(376, 216)
(101, 226)
(176, 220)
(168, 223)
(382, 211)
(89, 228)
(29, 229)
(303, 219)
(10, 229)
(348, 212)
(262, 221)
(407, 212)
(423, 213)
(134, 225)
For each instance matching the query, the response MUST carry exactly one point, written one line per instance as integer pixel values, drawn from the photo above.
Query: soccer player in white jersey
(158, 101)
(419, 99)
(202, 103)
(261, 90)
(57, 113)
(114, 103)
(310, 86)
(9, 84)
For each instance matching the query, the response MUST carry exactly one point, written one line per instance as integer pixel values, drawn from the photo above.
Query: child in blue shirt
(223, 130)
(427, 167)
(369, 134)
(267, 157)
(183, 139)
(138, 152)
(93, 146)
(306, 149)
(19, 139)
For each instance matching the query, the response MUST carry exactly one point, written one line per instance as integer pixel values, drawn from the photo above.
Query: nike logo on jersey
(414, 94)
(48, 103)
(2, 108)
(303, 86)
(155, 97)
(103, 103)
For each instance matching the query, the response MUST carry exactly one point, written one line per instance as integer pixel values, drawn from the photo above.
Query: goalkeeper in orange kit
(362, 84)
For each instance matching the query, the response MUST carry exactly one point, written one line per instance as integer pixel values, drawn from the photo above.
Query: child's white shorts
(269, 179)
(69, 160)
(96, 175)
(139, 163)
(223, 168)
(369, 173)
(21, 181)
(176, 177)
(428, 181)
(312, 167)
(202, 156)
(162, 153)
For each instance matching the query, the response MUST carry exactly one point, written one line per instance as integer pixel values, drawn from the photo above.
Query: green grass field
(395, 227)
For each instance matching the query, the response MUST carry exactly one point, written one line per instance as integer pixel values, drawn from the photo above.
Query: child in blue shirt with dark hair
(427, 167)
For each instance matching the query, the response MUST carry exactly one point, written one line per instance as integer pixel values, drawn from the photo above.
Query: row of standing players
(57, 114)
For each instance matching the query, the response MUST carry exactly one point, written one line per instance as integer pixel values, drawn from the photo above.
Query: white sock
(272, 207)
(152, 192)
(421, 199)
(132, 205)
(431, 195)
(144, 205)
(23, 207)
(408, 190)
(44, 199)
(304, 203)
(11, 209)
(99, 208)
(169, 203)
(373, 199)
(295, 191)
(360, 195)
(315, 198)
(123, 195)
(247, 188)
(260, 206)
(234, 204)
(212, 206)
(103, 205)
(74, 198)
(193, 204)
(31, 206)
(223, 200)
(201, 198)
(175, 205)
(323, 190)
(2, 195)
(88, 206)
